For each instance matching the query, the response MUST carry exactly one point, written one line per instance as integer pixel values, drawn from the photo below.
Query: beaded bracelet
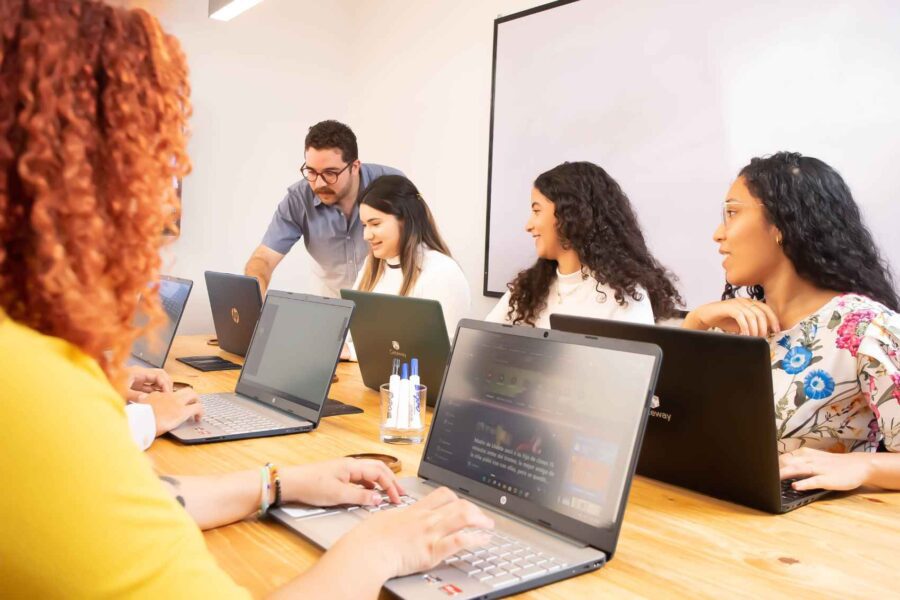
(264, 487)
(275, 481)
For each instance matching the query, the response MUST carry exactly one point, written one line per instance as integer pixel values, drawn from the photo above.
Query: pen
(416, 401)
(393, 392)
(403, 398)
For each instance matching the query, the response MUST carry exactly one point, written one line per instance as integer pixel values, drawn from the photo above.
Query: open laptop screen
(549, 422)
(153, 347)
(294, 351)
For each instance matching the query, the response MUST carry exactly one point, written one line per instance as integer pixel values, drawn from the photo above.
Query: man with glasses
(322, 209)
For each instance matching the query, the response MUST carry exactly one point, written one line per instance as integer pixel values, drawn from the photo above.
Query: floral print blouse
(836, 377)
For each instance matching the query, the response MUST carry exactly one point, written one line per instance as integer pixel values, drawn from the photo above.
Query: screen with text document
(550, 422)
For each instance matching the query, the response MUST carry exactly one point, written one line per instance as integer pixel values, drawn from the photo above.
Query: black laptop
(235, 301)
(152, 349)
(712, 429)
(539, 428)
(385, 327)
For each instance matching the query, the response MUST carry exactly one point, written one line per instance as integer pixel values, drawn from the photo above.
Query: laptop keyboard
(504, 561)
(222, 412)
(172, 305)
(789, 494)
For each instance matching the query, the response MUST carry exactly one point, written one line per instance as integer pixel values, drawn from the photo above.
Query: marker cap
(405, 371)
(414, 366)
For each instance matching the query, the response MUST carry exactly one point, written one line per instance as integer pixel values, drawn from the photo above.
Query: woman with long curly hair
(592, 258)
(93, 110)
(821, 293)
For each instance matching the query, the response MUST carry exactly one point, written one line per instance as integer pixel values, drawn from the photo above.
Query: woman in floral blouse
(823, 296)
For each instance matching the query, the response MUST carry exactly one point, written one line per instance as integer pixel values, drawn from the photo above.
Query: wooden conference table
(673, 542)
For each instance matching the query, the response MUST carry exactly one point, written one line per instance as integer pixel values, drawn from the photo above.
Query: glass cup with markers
(403, 405)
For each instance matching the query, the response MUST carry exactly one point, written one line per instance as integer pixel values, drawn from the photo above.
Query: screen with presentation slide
(673, 98)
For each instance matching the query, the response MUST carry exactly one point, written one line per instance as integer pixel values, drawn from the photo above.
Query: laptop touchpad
(326, 528)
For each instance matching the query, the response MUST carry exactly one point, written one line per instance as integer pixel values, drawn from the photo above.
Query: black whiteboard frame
(487, 230)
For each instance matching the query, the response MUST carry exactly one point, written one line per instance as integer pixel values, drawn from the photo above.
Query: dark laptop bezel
(226, 291)
(276, 398)
(738, 463)
(424, 331)
(190, 286)
(602, 538)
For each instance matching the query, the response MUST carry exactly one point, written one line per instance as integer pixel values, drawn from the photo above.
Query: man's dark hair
(333, 134)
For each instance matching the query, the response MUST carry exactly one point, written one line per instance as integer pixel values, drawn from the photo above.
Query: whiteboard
(672, 99)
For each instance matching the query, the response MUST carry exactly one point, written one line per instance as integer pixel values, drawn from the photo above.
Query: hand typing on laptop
(154, 388)
(400, 542)
(818, 469)
(143, 380)
(389, 543)
(341, 481)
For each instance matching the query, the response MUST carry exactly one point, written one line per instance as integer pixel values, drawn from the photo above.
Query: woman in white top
(592, 258)
(407, 256)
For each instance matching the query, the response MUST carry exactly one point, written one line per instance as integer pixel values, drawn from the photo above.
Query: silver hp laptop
(152, 349)
(286, 376)
(713, 433)
(541, 429)
(235, 301)
(385, 327)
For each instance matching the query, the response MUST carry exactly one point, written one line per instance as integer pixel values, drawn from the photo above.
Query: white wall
(423, 72)
(257, 83)
(674, 98)
(412, 78)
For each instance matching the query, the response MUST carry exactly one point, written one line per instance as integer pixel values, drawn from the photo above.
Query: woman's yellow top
(83, 513)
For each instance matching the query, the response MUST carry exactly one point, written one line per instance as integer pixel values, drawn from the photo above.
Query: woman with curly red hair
(93, 111)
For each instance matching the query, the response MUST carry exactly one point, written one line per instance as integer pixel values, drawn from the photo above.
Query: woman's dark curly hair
(822, 231)
(595, 218)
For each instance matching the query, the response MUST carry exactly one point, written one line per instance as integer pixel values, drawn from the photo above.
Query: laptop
(286, 376)
(385, 327)
(235, 301)
(152, 348)
(539, 428)
(713, 429)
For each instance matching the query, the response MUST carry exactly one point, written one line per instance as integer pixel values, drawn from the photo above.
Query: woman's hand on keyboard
(143, 380)
(817, 469)
(171, 409)
(340, 481)
(403, 541)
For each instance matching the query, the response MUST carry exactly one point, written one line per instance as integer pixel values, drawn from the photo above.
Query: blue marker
(416, 416)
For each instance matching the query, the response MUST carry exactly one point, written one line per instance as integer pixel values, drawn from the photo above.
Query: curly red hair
(93, 113)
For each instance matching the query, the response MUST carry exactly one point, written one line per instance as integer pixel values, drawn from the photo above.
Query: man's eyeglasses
(329, 176)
